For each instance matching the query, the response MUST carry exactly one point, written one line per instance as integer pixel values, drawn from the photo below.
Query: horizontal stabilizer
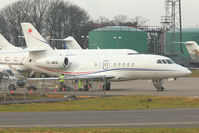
(186, 43)
(70, 42)
(21, 50)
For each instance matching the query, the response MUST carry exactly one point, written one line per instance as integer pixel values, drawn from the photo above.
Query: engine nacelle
(53, 62)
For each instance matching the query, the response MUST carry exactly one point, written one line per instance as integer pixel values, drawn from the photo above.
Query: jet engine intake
(53, 62)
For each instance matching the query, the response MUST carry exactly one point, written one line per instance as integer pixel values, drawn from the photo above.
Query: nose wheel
(107, 86)
(161, 89)
(158, 84)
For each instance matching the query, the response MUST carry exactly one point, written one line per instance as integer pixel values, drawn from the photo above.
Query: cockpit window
(159, 62)
(169, 61)
(164, 61)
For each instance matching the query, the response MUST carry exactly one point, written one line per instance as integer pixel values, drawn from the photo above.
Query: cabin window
(127, 64)
(15, 59)
(169, 61)
(132, 64)
(159, 62)
(119, 64)
(164, 61)
(123, 64)
(110, 64)
(95, 64)
(7, 59)
(114, 64)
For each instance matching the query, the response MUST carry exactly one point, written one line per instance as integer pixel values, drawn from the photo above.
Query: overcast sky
(152, 10)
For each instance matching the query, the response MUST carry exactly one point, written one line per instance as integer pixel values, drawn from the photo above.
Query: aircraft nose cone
(186, 71)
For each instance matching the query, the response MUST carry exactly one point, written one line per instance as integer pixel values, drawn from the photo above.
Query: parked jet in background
(5, 45)
(17, 55)
(193, 50)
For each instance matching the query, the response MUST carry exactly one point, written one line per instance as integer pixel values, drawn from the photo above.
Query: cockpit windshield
(165, 61)
(169, 61)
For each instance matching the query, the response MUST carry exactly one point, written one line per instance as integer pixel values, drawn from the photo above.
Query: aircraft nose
(185, 71)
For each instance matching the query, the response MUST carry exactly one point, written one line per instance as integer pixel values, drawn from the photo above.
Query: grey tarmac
(187, 87)
(136, 118)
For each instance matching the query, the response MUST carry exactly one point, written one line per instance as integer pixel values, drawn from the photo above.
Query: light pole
(85, 39)
(20, 40)
(117, 38)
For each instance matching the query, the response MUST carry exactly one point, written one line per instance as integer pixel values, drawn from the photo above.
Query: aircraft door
(105, 64)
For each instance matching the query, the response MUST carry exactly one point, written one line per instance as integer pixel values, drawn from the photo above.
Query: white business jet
(115, 67)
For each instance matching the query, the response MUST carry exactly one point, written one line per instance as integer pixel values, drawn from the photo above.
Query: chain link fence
(49, 91)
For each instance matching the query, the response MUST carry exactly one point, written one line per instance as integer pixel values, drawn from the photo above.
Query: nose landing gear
(107, 86)
(158, 84)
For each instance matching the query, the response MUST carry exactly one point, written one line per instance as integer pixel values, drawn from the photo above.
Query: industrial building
(118, 37)
(188, 34)
(150, 39)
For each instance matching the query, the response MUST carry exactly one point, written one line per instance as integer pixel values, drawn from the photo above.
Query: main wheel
(86, 88)
(11, 87)
(107, 86)
(162, 88)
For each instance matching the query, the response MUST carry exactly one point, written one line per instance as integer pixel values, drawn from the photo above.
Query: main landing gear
(158, 84)
(107, 86)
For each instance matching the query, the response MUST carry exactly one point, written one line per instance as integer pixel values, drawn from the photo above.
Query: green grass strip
(107, 103)
(195, 73)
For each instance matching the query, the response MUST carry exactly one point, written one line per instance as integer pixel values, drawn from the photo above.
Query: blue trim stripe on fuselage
(122, 69)
(106, 70)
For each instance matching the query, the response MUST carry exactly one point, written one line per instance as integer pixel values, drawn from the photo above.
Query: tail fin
(5, 45)
(193, 49)
(33, 37)
(72, 43)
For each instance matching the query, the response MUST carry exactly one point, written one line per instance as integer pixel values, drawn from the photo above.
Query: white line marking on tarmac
(99, 125)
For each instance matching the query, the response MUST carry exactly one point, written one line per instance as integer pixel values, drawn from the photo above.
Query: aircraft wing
(73, 78)
(5, 63)
(193, 68)
(21, 50)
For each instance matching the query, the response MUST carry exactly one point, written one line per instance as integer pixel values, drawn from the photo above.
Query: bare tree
(140, 21)
(22, 11)
(66, 19)
(57, 18)
(102, 20)
(120, 19)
